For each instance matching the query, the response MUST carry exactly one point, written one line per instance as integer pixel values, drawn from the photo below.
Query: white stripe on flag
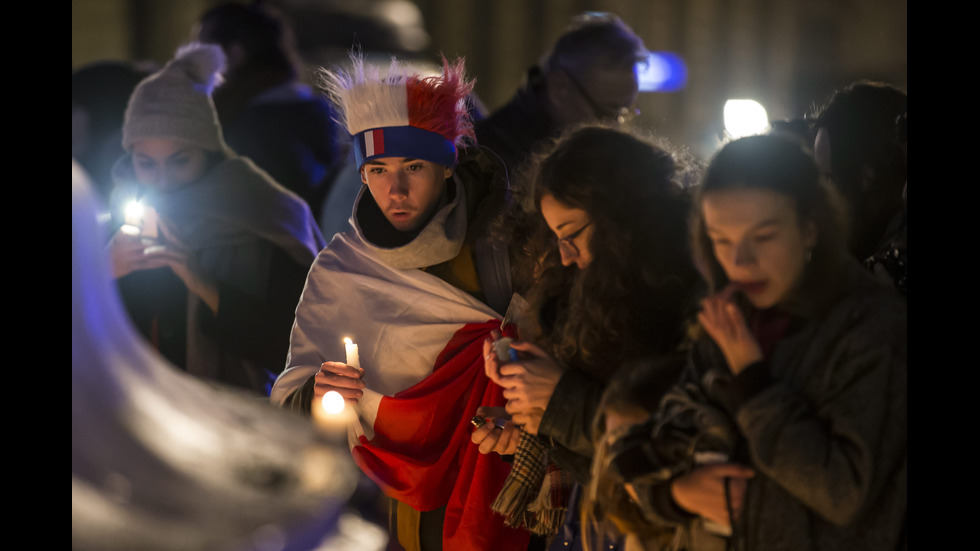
(369, 143)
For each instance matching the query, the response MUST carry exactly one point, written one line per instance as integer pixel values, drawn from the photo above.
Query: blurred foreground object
(162, 460)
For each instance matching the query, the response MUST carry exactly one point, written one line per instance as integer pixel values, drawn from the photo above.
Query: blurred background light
(745, 117)
(662, 72)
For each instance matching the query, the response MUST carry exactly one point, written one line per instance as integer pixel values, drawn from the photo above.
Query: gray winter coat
(823, 422)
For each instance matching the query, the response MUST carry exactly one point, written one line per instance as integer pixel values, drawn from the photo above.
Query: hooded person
(213, 268)
(416, 283)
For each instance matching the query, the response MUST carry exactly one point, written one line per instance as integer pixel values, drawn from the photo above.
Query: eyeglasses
(567, 246)
(622, 115)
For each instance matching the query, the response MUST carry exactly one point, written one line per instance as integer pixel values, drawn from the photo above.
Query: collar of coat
(438, 241)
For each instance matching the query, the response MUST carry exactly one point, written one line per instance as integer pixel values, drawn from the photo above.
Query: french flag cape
(420, 342)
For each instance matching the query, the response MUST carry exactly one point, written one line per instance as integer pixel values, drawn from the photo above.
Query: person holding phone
(212, 284)
(613, 280)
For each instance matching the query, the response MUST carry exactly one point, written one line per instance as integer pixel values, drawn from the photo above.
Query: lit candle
(333, 415)
(353, 359)
(332, 402)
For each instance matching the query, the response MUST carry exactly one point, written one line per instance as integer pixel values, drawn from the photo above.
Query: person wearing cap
(212, 273)
(416, 282)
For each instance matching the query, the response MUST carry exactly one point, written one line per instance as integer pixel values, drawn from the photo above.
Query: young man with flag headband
(417, 283)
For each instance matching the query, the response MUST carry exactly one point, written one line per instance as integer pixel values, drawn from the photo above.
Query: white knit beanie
(175, 103)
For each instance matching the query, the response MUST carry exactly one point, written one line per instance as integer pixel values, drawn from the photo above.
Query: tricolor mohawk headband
(402, 114)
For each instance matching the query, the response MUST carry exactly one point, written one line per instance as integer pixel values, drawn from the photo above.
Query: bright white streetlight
(745, 117)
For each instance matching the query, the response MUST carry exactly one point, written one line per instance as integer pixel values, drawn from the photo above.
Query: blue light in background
(662, 72)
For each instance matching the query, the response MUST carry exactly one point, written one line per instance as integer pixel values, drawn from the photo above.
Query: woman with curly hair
(612, 280)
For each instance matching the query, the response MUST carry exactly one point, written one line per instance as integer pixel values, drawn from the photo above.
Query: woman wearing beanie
(213, 268)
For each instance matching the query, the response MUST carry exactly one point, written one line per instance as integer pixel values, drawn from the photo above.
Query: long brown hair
(634, 296)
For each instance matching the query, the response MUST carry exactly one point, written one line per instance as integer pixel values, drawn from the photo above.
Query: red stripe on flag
(421, 453)
(379, 141)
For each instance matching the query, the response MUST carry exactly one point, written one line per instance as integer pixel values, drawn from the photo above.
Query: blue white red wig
(403, 113)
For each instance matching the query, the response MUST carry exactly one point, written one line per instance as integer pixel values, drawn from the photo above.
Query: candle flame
(348, 341)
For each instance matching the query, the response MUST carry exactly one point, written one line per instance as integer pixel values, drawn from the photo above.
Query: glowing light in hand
(333, 402)
(134, 210)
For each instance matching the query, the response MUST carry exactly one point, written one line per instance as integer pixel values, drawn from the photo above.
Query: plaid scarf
(535, 494)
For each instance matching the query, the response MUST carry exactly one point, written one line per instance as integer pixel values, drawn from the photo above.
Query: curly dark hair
(634, 296)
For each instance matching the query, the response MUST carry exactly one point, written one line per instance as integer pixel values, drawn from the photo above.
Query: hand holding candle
(342, 378)
(334, 385)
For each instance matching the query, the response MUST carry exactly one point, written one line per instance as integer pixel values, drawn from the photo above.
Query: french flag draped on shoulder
(420, 343)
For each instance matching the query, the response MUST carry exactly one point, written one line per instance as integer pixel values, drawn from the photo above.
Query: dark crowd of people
(570, 333)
